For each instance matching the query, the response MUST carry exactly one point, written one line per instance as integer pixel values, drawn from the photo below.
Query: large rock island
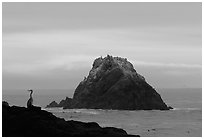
(113, 83)
(34, 122)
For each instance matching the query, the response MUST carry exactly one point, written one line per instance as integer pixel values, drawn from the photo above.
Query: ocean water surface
(184, 120)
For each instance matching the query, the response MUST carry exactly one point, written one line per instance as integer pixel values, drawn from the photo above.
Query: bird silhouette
(30, 101)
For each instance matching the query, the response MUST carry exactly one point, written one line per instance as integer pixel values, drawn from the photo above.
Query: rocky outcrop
(62, 103)
(113, 83)
(4, 103)
(52, 104)
(34, 122)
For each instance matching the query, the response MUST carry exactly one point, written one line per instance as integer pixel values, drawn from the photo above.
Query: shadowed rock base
(34, 122)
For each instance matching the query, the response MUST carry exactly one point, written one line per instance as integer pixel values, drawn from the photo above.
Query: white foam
(186, 109)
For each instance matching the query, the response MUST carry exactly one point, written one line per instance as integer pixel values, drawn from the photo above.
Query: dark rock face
(113, 83)
(34, 122)
(62, 103)
(65, 102)
(52, 104)
(4, 103)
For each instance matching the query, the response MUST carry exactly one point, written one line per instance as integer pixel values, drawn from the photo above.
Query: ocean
(183, 121)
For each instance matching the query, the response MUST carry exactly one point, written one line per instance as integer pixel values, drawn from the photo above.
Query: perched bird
(30, 101)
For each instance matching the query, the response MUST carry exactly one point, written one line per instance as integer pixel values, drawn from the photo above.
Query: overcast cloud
(53, 45)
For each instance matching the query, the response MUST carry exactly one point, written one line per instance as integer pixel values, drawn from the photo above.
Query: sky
(53, 45)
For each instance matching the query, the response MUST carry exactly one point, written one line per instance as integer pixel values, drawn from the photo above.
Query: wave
(57, 109)
(187, 109)
(101, 111)
(84, 111)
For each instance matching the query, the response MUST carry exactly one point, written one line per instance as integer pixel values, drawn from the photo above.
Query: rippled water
(178, 122)
(184, 120)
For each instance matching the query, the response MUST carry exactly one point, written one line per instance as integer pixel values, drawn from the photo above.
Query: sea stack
(113, 83)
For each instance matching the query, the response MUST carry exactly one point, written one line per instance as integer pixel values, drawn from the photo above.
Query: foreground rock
(34, 122)
(113, 83)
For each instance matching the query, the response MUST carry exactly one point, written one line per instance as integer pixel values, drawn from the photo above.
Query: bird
(30, 101)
